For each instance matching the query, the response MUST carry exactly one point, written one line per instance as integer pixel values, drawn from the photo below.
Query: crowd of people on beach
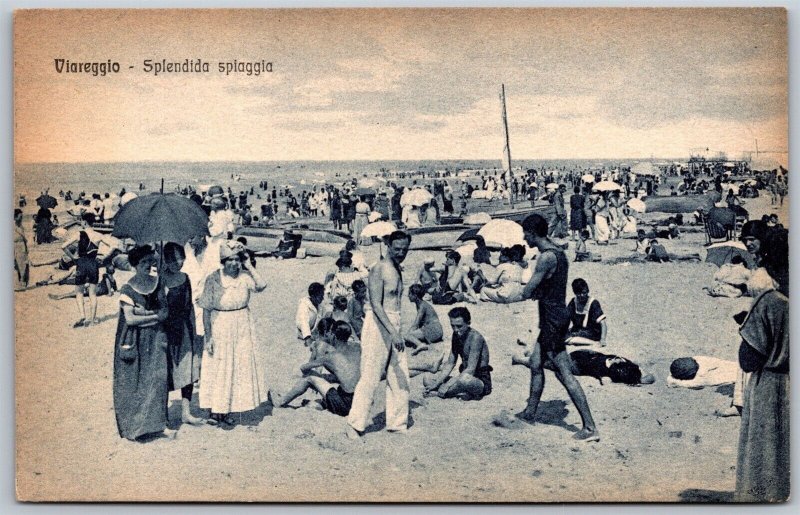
(184, 321)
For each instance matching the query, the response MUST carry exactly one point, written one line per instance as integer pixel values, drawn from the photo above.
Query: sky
(403, 84)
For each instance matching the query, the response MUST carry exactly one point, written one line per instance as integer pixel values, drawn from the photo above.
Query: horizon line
(152, 161)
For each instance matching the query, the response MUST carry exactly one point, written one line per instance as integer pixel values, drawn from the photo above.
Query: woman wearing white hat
(231, 379)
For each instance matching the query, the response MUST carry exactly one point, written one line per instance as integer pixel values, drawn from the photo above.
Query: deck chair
(720, 224)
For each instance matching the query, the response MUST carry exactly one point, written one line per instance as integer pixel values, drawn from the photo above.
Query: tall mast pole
(508, 147)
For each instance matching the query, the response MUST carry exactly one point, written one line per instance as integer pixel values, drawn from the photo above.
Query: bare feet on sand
(528, 415)
(351, 433)
(587, 435)
(187, 418)
(730, 411)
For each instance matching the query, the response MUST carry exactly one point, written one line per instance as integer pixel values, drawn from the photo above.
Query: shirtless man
(474, 380)
(382, 345)
(454, 284)
(549, 286)
(341, 359)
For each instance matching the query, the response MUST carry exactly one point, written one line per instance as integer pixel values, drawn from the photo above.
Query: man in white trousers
(382, 345)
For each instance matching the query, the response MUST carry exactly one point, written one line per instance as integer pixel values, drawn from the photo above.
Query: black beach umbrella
(722, 253)
(157, 218)
(469, 234)
(46, 201)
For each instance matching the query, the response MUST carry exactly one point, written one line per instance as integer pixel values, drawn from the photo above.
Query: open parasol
(637, 205)
(378, 229)
(588, 178)
(722, 253)
(607, 186)
(46, 201)
(158, 218)
(503, 233)
(416, 197)
(362, 191)
(480, 218)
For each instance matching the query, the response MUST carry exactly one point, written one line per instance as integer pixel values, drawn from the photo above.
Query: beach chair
(720, 225)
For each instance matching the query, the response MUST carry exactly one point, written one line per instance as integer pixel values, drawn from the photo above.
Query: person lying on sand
(656, 253)
(107, 285)
(698, 372)
(474, 380)
(586, 362)
(587, 317)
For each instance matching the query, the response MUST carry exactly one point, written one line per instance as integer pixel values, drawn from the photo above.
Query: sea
(30, 179)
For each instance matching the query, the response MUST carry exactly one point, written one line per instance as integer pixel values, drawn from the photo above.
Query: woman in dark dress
(577, 214)
(140, 352)
(183, 352)
(336, 210)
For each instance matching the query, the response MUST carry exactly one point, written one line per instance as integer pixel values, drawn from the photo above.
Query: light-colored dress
(361, 221)
(509, 285)
(21, 259)
(602, 231)
(231, 379)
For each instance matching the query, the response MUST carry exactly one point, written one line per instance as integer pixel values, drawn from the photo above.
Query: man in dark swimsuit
(474, 380)
(549, 286)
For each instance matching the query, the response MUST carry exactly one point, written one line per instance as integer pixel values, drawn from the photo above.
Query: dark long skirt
(140, 380)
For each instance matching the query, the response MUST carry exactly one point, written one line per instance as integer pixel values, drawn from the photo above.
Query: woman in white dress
(505, 286)
(601, 220)
(361, 221)
(231, 379)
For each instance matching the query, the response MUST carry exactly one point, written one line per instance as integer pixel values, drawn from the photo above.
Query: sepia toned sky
(408, 84)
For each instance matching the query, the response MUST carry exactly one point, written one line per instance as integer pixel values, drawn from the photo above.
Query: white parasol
(480, 218)
(588, 178)
(607, 186)
(378, 229)
(416, 197)
(502, 233)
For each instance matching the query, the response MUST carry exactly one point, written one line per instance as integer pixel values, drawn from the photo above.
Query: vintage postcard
(401, 255)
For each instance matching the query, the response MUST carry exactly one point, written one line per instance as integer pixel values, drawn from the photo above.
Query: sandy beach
(658, 443)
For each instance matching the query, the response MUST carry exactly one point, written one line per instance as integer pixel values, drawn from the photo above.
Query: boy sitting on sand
(339, 312)
(581, 253)
(474, 380)
(341, 359)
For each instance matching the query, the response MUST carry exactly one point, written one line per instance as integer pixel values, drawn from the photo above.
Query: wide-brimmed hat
(229, 249)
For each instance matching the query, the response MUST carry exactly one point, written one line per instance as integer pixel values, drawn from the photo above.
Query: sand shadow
(106, 318)
(379, 421)
(705, 496)
(725, 389)
(552, 413)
